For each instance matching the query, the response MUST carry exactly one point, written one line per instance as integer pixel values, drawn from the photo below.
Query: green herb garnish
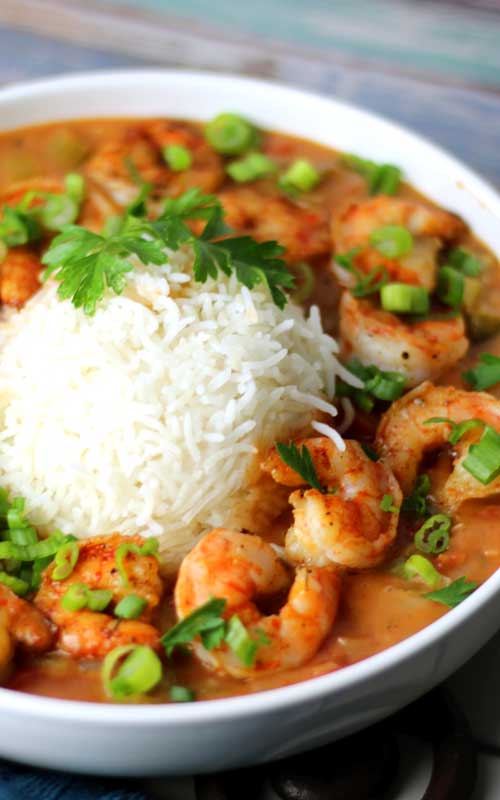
(301, 462)
(85, 264)
(485, 374)
(416, 502)
(453, 594)
(387, 503)
(203, 620)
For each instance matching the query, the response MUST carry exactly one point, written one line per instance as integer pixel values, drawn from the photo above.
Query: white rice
(147, 417)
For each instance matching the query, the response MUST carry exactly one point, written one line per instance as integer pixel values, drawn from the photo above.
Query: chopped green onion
(483, 459)
(75, 187)
(203, 619)
(383, 385)
(65, 561)
(30, 552)
(231, 134)
(99, 599)
(58, 210)
(17, 585)
(454, 593)
(251, 168)
(451, 286)
(18, 227)
(387, 503)
(178, 158)
(419, 567)
(465, 262)
(23, 536)
(306, 282)
(416, 502)
(180, 694)
(139, 672)
(301, 176)
(381, 178)
(401, 298)
(149, 548)
(392, 241)
(457, 429)
(240, 641)
(434, 535)
(130, 607)
(75, 597)
(37, 569)
(79, 596)
(486, 374)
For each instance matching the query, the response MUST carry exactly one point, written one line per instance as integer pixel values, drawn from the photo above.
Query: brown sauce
(378, 609)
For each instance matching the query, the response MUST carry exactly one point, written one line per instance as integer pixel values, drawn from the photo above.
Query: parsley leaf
(86, 263)
(453, 594)
(485, 374)
(203, 621)
(416, 502)
(366, 283)
(301, 462)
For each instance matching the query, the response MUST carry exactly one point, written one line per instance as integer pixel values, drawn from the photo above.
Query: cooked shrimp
(345, 526)
(140, 150)
(419, 350)
(241, 567)
(403, 437)
(19, 276)
(90, 634)
(25, 624)
(430, 227)
(303, 232)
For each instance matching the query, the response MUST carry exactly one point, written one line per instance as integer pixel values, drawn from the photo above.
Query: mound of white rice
(147, 417)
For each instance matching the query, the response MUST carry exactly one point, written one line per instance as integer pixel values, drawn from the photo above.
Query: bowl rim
(312, 689)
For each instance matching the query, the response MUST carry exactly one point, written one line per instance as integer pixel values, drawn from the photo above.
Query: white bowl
(221, 734)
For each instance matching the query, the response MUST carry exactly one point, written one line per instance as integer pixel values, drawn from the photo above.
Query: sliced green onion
(180, 694)
(149, 548)
(75, 597)
(416, 502)
(381, 178)
(434, 535)
(30, 552)
(231, 134)
(392, 241)
(251, 168)
(385, 386)
(203, 619)
(240, 641)
(419, 567)
(75, 187)
(457, 429)
(451, 286)
(23, 536)
(486, 374)
(387, 503)
(65, 561)
(79, 596)
(178, 158)
(483, 459)
(401, 298)
(18, 227)
(37, 569)
(130, 607)
(301, 176)
(461, 259)
(17, 585)
(58, 210)
(99, 599)
(306, 282)
(139, 672)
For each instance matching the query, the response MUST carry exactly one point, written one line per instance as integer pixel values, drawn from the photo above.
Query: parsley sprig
(453, 594)
(301, 462)
(86, 263)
